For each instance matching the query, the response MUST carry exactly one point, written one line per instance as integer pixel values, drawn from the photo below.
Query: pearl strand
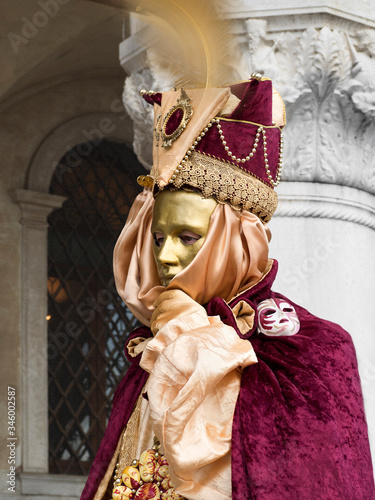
(260, 130)
(280, 162)
(229, 153)
(143, 92)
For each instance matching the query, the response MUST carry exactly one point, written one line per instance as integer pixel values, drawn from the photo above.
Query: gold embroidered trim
(129, 440)
(103, 486)
(228, 184)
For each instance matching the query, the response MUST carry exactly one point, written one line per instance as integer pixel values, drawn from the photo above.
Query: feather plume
(196, 41)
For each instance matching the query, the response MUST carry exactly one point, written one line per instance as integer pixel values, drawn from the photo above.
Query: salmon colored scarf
(233, 257)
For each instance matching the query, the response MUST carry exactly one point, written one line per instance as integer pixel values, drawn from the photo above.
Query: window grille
(87, 321)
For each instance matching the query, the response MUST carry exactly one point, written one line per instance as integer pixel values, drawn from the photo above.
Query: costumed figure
(234, 391)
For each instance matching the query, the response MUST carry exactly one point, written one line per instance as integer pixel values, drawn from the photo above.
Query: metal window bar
(87, 321)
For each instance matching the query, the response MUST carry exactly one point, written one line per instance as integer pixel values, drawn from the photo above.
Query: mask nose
(168, 254)
(282, 317)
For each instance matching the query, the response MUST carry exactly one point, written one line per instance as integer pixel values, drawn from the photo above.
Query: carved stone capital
(156, 76)
(141, 114)
(326, 76)
(327, 80)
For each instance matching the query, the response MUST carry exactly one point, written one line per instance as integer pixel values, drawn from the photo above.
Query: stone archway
(92, 127)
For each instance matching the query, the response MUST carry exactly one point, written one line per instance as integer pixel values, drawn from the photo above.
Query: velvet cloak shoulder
(299, 429)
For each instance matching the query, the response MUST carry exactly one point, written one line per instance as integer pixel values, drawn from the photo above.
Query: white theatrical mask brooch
(277, 318)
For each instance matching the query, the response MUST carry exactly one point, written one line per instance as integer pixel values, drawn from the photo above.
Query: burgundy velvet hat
(227, 143)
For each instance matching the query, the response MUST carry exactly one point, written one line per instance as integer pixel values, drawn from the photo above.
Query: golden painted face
(179, 226)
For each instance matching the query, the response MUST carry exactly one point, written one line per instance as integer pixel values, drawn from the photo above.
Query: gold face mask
(179, 226)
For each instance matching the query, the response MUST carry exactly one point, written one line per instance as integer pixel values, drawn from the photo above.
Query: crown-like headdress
(224, 142)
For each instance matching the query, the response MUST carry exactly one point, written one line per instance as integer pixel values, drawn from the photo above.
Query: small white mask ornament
(277, 318)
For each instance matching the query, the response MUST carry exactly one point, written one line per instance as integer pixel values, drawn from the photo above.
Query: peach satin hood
(233, 257)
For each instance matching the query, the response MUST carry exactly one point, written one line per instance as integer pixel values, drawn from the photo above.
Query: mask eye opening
(269, 312)
(189, 237)
(158, 239)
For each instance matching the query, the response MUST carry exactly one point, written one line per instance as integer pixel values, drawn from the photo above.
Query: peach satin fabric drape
(233, 257)
(194, 364)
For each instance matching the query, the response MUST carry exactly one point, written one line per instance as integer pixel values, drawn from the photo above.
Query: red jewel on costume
(175, 121)
(277, 318)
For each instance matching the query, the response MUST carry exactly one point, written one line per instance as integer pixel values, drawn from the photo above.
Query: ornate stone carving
(141, 113)
(327, 80)
(259, 51)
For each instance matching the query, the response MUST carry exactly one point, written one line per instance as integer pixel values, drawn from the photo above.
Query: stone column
(35, 208)
(323, 230)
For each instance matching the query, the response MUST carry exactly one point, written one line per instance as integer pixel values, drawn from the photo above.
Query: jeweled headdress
(225, 142)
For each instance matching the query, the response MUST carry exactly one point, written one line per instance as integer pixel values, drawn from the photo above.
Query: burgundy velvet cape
(299, 429)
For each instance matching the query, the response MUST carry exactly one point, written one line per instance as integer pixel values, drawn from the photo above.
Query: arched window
(87, 321)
